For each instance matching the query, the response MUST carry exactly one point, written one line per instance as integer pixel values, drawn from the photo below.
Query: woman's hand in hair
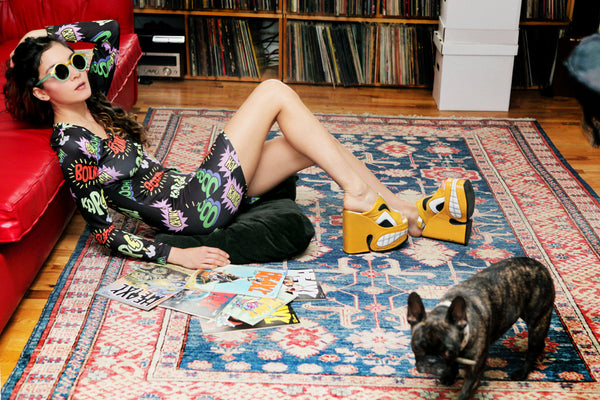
(31, 34)
(198, 257)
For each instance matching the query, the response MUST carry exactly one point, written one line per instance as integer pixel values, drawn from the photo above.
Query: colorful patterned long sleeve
(105, 36)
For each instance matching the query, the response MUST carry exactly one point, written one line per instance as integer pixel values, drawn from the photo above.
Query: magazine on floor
(283, 316)
(304, 284)
(252, 310)
(199, 303)
(147, 285)
(239, 279)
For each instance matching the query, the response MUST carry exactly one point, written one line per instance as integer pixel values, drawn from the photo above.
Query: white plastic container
(481, 14)
(473, 76)
(466, 35)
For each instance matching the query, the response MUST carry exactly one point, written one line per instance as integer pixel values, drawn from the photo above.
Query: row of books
(340, 54)
(555, 10)
(224, 47)
(229, 298)
(536, 59)
(191, 5)
(531, 9)
(407, 55)
(346, 54)
(348, 8)
(411, 8)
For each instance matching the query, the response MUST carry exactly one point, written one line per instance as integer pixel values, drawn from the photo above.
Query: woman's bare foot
(360, 201)
(408, 211)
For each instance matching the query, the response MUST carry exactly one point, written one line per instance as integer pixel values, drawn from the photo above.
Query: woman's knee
(277, 91)
(273, 84)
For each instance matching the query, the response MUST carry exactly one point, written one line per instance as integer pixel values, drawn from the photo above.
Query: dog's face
(436, 338)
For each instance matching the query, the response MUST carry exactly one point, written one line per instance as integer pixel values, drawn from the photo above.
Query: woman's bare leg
(305, 142)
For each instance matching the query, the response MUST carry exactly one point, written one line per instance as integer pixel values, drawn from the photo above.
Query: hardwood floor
(559, 117)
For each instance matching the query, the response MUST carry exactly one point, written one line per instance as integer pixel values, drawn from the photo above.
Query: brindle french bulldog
(477, 312)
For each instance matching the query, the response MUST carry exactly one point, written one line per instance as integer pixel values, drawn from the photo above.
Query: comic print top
(117, 172)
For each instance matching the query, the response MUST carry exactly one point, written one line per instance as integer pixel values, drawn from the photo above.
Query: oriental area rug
(355, 344)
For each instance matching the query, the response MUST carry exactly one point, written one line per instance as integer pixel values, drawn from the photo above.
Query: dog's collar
(466, 336)
(463, 345)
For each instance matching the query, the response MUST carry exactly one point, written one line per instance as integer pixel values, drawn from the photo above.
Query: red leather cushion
(5, 50)
(130, 53)
(31, 177)
(20, 261)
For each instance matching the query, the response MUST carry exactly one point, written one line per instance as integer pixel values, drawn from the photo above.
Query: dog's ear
(416, 309)
(457, 313)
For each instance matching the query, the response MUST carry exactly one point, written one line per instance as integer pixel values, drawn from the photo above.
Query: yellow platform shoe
(378, 229)
(446, 215)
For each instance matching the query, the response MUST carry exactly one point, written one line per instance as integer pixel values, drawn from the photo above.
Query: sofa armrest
(123, 90)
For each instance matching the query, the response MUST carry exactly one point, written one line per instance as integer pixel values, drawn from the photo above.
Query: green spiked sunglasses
(62, 72)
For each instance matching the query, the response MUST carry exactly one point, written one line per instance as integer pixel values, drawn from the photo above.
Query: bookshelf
(340, 42)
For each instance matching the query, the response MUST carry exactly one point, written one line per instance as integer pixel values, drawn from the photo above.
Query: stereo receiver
(162, 56)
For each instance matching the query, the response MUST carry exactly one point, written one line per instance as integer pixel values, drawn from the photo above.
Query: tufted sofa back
(17, 17)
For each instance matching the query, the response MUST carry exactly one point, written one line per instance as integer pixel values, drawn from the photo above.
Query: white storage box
(492, 36)
(476, 77)
(481, 14)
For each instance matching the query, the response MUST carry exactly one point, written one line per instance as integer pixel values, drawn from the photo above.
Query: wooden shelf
(212, 13)
(545, 22)
(268, 73)
(376, 19)
(282, 16)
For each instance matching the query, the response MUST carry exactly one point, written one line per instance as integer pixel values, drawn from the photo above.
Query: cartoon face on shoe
(379, 229)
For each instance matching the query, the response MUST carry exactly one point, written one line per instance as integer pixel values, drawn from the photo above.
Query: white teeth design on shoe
(435, 203)
(454, 206)
(385, 216)
(390, 238)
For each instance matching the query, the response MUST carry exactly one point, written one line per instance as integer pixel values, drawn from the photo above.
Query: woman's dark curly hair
(23, 76)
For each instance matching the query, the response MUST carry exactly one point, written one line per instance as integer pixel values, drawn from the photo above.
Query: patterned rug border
(40, 326)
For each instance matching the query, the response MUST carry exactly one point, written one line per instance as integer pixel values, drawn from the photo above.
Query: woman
(100, 151)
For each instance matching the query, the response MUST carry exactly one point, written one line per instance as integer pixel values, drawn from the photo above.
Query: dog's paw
(447, 380)
(520, 374)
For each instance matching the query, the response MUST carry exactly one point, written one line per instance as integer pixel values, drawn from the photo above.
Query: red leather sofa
(35, 205)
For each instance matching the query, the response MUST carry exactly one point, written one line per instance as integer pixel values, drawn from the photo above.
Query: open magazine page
(239, 279)
(284, 316)
(304, 284)
(251, 310)
(199, 303)
(148, 285)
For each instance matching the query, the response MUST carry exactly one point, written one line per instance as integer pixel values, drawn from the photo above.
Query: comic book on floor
(304, 283)
(283, 316)
(147, 285)
(252, 310)
(239, 279)
(199, 303)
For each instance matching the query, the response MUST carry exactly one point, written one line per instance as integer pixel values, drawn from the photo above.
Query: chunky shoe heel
(378, 229)
(446, 215)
